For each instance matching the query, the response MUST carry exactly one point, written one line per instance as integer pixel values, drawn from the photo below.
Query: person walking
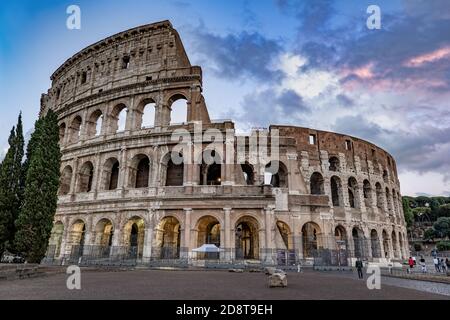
(359, 267)
(411, 264)
(443, 265)
(436, 264)
(423, 265)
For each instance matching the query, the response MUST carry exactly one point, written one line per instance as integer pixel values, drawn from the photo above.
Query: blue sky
(307, 63)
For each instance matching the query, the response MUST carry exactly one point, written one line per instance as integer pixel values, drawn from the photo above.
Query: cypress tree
(10, 186)
(35, 220)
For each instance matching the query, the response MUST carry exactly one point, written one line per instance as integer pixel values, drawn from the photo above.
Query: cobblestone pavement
(425, 286)
(193, 285)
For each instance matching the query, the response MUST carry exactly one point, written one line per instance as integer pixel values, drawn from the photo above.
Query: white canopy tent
(207, 248)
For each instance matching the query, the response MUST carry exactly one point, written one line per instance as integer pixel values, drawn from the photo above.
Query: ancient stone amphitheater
(324, 198)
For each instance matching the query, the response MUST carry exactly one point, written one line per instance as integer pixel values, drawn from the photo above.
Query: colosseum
(138, 184)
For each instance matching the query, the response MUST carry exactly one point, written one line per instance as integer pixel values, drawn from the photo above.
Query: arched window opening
(94, 125)
(148, 116)
(335, 191)
(178, 105)
(142, 173)
(334, 164)
(385, 176)
(211, 174)
(367, 191)
(62, 132)
(118, 118)
(353, 192)
(276, 174)
(85, 177)
(75, 129)
(316, 184)
(379, 195)
(65, 181)
(249, 176)
(175, 172)
(114, 177)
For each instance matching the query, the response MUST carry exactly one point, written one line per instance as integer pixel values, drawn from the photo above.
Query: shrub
(443, 245)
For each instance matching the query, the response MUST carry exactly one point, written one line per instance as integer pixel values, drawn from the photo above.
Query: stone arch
(172, 169)
(110, 175)
(248, 172)
(118, 118)
(168, 238)
(353, 193)
(285, 235)
(400, 240)
(395, 244)
(333, 164)
(317, 184)
(379, 192)
(336, 191)
(65, 180)
(208, 232)
(385, 243)
(394, 203)
(375, 244)
(311, 236)
(139, 175)
(247, 238)
(103, 234)
(94, 124)
(146, 114)
(385, 176)
(75, 129)
(178, 104)
(276, 174)
(211, 168)
(56, 238)
(388, 200)
(133, 236)
(340, 234)
(62, 132)
(77, 236)
(86, 177)
(358, 242)
(367, 192)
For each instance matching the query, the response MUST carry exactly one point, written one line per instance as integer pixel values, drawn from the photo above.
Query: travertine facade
(120, 189)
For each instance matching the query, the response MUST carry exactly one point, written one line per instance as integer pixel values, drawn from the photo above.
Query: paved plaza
(202, 285)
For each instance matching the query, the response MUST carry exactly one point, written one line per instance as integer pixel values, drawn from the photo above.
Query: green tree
(35, 220)
(442, 227)
(409, 217)
(444, 210)
(10, 193)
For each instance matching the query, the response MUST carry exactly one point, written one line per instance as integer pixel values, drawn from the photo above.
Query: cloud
(238, 56)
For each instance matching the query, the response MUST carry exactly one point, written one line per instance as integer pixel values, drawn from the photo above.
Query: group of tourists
(440, 264)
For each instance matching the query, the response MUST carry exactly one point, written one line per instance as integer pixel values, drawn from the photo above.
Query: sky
(307, 63)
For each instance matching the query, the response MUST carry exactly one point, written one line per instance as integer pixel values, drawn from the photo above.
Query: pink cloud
(429, 57)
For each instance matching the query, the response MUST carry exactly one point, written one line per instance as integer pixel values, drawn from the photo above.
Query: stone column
(148, 237)
(123, 175)
(227, 235)
(73, 182)
(269, 255)
(187, 233)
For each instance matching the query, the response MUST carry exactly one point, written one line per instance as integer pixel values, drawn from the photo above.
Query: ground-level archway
(167, 238)
(311, 239)
(133, 237)
(208, 232)
(247, 238)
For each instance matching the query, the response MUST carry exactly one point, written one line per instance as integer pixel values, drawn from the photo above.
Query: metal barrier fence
(315, 253)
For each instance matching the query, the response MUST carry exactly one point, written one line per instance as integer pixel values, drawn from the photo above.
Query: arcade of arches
(248, 239)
